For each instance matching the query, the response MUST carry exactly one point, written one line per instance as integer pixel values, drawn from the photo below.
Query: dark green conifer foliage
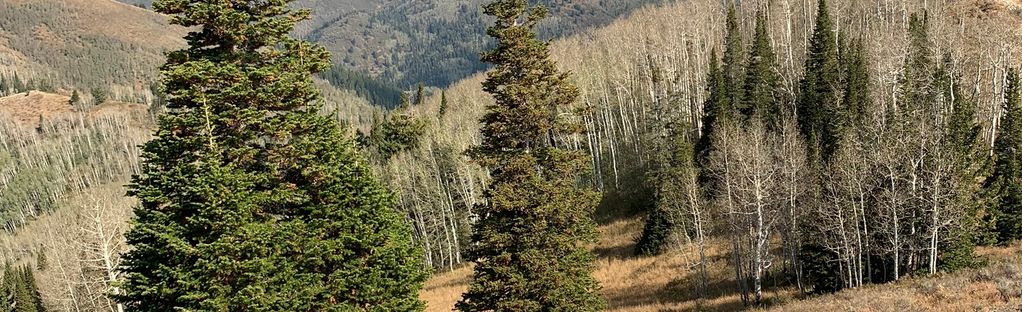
(6, 289)
(251, 200)
(99, 95)
(857, 94)
(715, 108)
(420, 95)
(1006, 182)
(18, 290)
(443, 103)
(531, 241)
(964, 140)
(75, 99)
(916, 82)
(734, 64)
(818, 103)
(396, 132)
(762, 82)
(662, 220)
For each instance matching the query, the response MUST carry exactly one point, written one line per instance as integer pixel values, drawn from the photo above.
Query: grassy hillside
(84, 44)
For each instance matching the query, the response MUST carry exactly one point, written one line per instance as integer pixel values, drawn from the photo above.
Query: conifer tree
(443, 103)
(964, 140)
(916, 81)
(716, 106)
(6, 289)
(734, 65)
(1007, 176)
(818, 103)
(18, 290)
(857, 94)
(99, 95)
(672, 188)
(761, 79)
(530, 243)
(75, 99)
(420, 95)
(251, 200)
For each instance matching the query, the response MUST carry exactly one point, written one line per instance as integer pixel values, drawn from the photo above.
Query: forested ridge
(728, 156)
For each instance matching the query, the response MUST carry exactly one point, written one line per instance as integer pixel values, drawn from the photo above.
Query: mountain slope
(436, 42)
(84, 44)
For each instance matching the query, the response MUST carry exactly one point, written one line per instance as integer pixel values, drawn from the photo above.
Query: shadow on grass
(686, 292)
(616, 205)
(719, 295)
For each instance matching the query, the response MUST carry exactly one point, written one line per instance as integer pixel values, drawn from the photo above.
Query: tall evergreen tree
(762, 80)
(1007, 176)
(443, 103)
(530, 243)
(251, 200)
(917, 75)
(857, 95)
(664, 218)
(818, 103)
(18, 290)
(420, 95)
(715, 108)
(734, 64)
(964, 139)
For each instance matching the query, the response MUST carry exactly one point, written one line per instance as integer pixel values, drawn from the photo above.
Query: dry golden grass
(27, 108)
(670, 283)
(995, 287)
(633, 284)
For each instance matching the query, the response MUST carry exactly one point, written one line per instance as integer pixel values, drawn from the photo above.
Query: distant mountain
(84, 44)
(435, 42)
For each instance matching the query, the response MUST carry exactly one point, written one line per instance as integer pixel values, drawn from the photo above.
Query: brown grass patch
(670, 283)
(632, 284)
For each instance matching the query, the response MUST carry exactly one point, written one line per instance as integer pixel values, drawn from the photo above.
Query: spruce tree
(964, 140)
(663, 219)
(1006, 181)
(762, 80)
(251, 200)
(420, 95)
(75, 99)
(18, 290)
(857, 95)
(734, 65)
(99, 95)
(443, 103)
(715, 108)
(917, 75)
(7, 288)
(531, 241)
(818, 103)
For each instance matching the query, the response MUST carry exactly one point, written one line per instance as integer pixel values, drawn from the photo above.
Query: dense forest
(734, 155)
